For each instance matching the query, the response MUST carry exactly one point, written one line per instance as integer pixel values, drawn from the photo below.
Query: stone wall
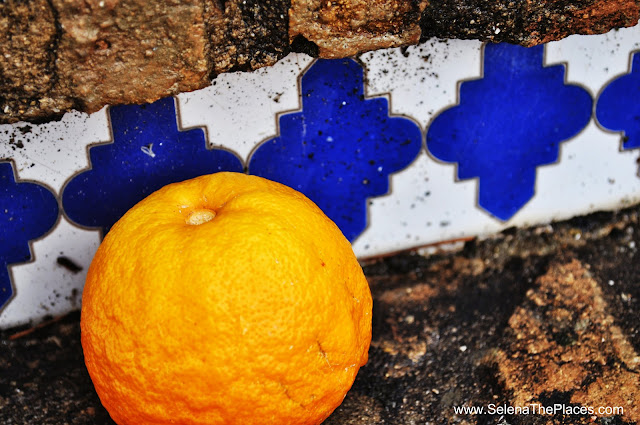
(57, 55)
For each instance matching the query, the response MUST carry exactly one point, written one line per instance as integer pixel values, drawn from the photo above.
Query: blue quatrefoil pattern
(507, 124)
(27, 211)
(340, 148)
(618, 108)
(148, 152)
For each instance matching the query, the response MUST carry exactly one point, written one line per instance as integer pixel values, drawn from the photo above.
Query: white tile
(426, 205)
(42, 287)
(53, 152)
(592, 175)
(594, 60)
(239, 109)
(422, 80)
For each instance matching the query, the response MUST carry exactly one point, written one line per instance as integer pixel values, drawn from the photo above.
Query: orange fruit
(225, 299)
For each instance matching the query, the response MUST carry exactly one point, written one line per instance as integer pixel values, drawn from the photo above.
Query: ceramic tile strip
(591, 172)
(367, 127)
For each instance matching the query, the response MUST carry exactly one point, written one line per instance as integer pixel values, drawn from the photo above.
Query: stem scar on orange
(224, 299)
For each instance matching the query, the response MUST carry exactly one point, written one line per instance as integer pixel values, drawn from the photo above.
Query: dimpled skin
(255, 312)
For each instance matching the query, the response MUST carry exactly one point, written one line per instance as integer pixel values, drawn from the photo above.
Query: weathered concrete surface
(527, 23)
(63, 54)
(563, 339)
(57, 55)
(546, 316)
(247, 35)
(119, 51)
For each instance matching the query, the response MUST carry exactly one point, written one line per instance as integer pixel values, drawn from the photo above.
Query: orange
(225, 299)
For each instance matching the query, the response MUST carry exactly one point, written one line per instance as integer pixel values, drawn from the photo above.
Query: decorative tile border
(401, 148)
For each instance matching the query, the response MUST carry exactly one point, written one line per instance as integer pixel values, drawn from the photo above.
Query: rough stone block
(117, 51)
(343, 28)
(527, 23)
(28, 41)
(247, 35)
(58, 55)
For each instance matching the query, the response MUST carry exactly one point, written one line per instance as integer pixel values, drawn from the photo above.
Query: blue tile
(340, 148)
(618, 107)
(148, 152)
(507, 124)
(27, 211)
